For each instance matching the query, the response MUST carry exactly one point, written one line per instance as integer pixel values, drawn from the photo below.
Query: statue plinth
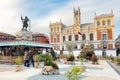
(23, 35)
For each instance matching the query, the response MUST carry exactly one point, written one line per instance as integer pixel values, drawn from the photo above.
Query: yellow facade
(92, 33)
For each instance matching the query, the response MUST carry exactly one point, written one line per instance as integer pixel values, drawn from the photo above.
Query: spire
(74, 9)
(60, 21)
(78, 8)
(95, 13)
(50, 23)
(111, 11)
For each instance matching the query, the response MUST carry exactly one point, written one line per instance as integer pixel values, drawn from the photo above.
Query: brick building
(6, 37)
(39, 37)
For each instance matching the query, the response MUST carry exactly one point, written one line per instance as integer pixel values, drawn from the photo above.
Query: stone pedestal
(23, 35)
(49, 70)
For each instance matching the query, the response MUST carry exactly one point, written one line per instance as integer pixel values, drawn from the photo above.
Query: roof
(24, 43)
(56, 23)
(68, 27)
(6, 34)
(104, 15)
(86, 24)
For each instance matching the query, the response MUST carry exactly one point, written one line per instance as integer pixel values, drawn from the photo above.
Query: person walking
(26, 57)
(53, 54)
(31, 58)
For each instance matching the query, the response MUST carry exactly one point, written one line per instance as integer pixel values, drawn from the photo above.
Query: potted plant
(48, 60)
(94, 59)
(74, 73)
(36, 61)
(18, 62)
(111, 58)
(50, 66)
(117, 60)
(70, 59)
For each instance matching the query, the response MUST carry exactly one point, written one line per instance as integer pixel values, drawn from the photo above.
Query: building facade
(117, 45)
(39, 37)
(36, 37)
(99, 34)
(6, 37)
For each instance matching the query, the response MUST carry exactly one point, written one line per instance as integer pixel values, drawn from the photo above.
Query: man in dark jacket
(53, 53)
(31, 57)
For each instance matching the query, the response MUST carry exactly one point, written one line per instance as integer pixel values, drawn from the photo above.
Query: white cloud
(65, 13)
(10, 11)
(9, 16)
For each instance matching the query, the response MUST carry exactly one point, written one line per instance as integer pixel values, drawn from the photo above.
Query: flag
(80, 33)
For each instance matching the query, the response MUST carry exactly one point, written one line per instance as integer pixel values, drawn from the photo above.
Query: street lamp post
(104, 46)
(104, 43)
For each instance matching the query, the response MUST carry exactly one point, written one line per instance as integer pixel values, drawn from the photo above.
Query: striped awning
(24, 43)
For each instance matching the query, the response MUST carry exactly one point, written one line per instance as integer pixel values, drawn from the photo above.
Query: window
(57, 28)
(103, 22)
(75, 46)
(63, 38)
(54, 40)
(62, 47)
(104, 36)
(76, 37)
(108, 22)
(67, 31)
(51, 29)
(2, 36)
(83, 37)
(91, 36)
(70, 37)
(54, 29)
(98, 23)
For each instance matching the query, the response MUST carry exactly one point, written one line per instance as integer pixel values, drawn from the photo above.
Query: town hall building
(98, 34)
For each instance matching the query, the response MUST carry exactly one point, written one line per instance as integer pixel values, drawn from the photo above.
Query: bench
(7, 59)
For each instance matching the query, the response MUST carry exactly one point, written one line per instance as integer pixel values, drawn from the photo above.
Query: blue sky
(40, 12)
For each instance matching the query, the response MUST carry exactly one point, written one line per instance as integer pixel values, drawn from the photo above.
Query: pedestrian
(53, 54)
(31, 57)
(26, 57)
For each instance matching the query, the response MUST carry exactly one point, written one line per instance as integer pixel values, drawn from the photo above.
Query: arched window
(108, 22)
(54, 40)
(82, 46)
(98, 23)
(76, 47)
(76, 37)
(63, 38)
(83, 37)
(103, 22)
(54, 29)
(57, 28)
(91, 36)
(62, 47)
(70, 37)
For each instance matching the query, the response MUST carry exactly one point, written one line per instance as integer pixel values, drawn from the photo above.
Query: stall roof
(24, 43)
